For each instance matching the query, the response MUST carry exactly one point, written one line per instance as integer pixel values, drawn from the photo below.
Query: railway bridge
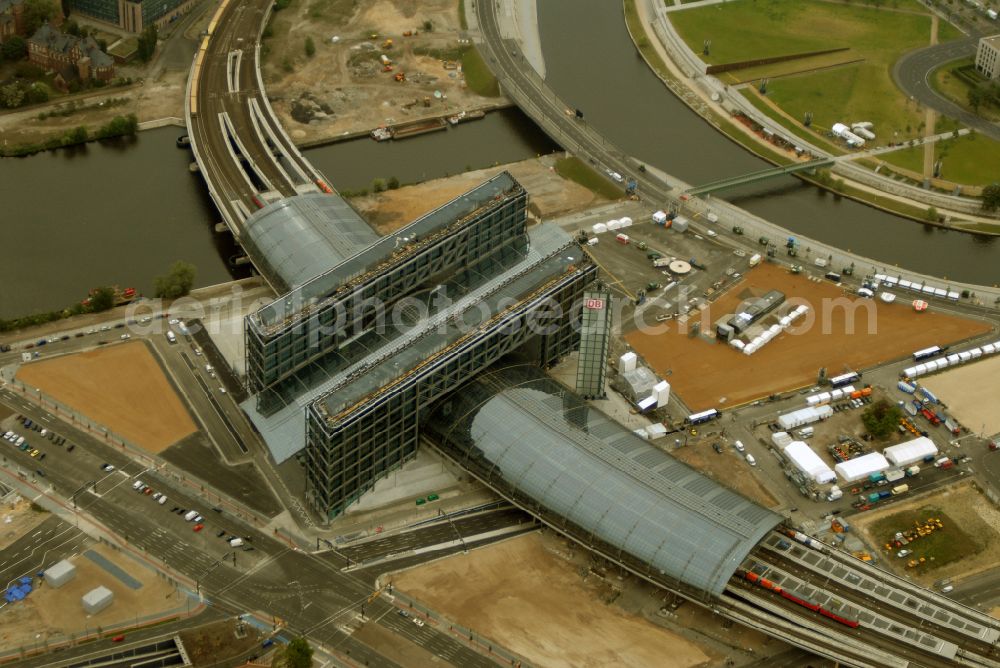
(242, 151)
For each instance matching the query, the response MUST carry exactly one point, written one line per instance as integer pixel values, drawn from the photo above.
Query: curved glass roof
(297, 238)
(574, 461)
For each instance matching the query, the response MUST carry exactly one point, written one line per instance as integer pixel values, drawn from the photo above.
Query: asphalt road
(50, 542)
(912, 74)
(310, 595)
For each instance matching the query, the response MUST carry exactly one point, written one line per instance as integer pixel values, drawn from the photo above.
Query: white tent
(910, 452)
(861, 467)
(808, 462)
(599, 228)
(781, 439)
(804, 416)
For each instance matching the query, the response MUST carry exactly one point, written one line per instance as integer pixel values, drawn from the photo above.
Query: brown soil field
(967, 508)
(550, 194)
(57, 615)
(723, 468)
(972, 393)
(344, 78)
(119, 386)
(541, 609)
(840, 332)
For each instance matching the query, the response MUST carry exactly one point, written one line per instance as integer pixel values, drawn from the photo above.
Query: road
(912, 74)
(50, 542)
(307, 593)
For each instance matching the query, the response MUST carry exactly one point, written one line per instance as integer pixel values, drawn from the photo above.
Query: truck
(820, 262)
(905, 387)
(873, 497)
(884, 494)
(661, 262)
(912, 471)
(755, 259)
(875, 477)
(944, 463)
(900, 489)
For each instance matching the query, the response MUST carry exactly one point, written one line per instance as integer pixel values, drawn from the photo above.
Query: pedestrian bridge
(755, 177)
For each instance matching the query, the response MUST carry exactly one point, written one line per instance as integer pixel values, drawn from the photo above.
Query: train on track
(843, 615)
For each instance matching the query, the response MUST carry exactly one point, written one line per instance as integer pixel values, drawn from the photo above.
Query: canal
(624, 100)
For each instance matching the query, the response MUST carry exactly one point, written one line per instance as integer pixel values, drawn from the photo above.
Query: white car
(417, 621)
(126, 337)
(904, 553)
(712, 233)
(162, 499)
(174, 321)
(222, 390)
(8, 435)
(739, 446)
(750, 460)
(615, 175)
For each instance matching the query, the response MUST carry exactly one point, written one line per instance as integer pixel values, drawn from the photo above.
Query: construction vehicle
(387, 68)
(737, 229)
(387, 44)
(400, 76)
(427, 102)
(796, 269)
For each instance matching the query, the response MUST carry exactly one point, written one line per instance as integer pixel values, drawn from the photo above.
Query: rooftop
(299, 237)
(362, 367)
(325, 285)
(545, 441)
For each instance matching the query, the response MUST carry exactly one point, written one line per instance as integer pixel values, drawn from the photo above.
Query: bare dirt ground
(542, 610)
(972, 394)
(119, 386)
(342, 88)
(830, 336)
(17, 519)
(723, 468)
(56, 615)
(550, 194)
(967, 508)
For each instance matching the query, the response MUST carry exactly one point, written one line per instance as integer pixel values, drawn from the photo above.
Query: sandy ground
(361, 96)
(17, 519)
(967, 508)
(218, 640)
(727, 468)
(550, 195)
(55, 615)
(119, 386)
(829, 336)
(972, 394)
(541, 611)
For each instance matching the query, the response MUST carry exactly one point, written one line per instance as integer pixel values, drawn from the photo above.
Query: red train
(796, 598)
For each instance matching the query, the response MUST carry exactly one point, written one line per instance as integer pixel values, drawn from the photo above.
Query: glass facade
(543, 447)
(103, 10)
(595, 332)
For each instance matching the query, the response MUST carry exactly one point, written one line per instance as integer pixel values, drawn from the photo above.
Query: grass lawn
(940, 547)
(575, 170)
(744, 30)
(477, 76)
(911, 158)
(973, 159)
(795, 128)
(956, 90)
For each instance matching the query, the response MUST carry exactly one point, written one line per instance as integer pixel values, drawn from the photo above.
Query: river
(623, 99)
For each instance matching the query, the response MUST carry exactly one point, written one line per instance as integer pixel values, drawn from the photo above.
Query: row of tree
(984, 95)
(177, 282)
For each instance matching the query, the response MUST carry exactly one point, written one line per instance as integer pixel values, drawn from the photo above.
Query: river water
(121, 212)
(592, 65)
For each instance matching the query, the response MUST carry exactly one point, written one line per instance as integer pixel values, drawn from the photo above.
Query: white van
(750, 460)
(235, 542)
(739, 446)
(191, 514)
(171, 337)
(806, 432)
(138, 485)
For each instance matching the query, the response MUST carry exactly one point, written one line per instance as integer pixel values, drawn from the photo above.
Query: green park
(838, 70)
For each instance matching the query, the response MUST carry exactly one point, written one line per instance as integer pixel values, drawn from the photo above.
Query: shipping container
(892, 475)
(905, 387)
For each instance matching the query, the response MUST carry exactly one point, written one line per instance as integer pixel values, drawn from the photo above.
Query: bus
(845, 379)
(927, 353)
(704, 416)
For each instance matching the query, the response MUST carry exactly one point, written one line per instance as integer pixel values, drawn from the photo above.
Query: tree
(147, 43)
(77, 135)
(977, 95)
(15, 48)
(12, 95)
(991, 197)
(177, 282)
(71, 27)
(378, 185)
(102, 299)
(310, 47)
(37, 12)
(297, 654)
(394, 182)
(881, 418)
(932, 214)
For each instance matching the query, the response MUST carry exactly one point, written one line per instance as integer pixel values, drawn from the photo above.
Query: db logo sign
(596, 304)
